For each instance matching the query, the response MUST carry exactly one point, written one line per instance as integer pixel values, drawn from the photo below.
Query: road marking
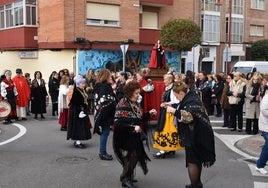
(230, 140)
(260, 185)
(22, 129)
(254, 171)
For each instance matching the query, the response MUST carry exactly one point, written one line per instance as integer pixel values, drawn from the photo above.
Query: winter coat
(252, 106)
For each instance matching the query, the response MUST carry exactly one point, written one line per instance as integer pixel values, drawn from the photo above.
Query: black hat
(18, 71)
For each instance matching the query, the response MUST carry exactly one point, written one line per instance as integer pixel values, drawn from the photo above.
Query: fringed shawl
(199, 134)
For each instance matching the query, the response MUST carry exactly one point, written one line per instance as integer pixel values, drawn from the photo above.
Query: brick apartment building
(87, 34)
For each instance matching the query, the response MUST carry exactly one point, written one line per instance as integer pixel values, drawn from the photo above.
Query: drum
(5, 109)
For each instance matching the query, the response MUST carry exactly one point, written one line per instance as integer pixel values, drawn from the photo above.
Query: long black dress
(128, 145)
(78, 128)
(38, 97)
(197, 136)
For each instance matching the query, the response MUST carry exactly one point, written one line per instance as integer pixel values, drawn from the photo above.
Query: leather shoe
(106, 157)
(127, 183)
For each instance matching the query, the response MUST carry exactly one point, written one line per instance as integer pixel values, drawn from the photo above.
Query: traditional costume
(197, 136)
(23, 93)
(63, 108)
(9, 93)
(128, 145)
(157, 59)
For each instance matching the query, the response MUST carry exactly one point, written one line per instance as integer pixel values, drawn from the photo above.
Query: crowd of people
(118, 102)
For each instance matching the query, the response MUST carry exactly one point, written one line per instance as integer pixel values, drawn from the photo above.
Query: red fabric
(63, 119)
(23, 91)
(153, 99)
(153, 59)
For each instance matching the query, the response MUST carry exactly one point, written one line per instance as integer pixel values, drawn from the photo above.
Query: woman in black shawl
(195, 132)
(128, 135)
(79, 124)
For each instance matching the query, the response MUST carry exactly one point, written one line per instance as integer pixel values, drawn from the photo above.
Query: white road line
(254, 172)
(260, 185)
(22, 129)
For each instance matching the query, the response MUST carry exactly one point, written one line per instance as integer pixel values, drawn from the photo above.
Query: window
(256, 30)
(18, 13)
(237, 30)
(2, 17)
(210, 5)
(13, 15)
(206, 51)
(103, 14)
(210, 27)
(258, 4)
(150, 20)
(31, 12)
(9, 15)
(238, 6)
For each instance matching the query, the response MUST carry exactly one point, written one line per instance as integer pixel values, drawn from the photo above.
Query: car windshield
(244, 70)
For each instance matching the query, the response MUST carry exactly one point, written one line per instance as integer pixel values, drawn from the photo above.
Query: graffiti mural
(113, 60)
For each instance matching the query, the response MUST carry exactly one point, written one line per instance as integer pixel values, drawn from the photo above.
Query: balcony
(18, 38)
(158, 3)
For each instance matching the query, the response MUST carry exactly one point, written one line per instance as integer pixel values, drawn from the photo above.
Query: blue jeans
(264, 153)
(103, 139)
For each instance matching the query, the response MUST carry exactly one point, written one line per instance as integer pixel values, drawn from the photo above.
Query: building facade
(87, 34)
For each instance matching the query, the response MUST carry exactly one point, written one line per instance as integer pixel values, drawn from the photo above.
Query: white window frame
(15, 14)
(210, 5)
(257, 4)
(211, 28)
(257, 30)
(237, 30)
(238, 7)
(98, 14)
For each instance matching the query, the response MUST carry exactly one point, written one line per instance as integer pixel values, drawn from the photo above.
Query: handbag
(233, 100)
(214, 100)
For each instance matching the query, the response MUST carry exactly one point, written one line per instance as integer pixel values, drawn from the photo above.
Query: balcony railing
(158, 2)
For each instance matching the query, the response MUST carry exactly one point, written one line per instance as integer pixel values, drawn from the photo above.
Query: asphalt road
(43, 158)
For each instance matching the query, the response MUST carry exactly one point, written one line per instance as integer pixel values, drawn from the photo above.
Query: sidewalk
(251, 145)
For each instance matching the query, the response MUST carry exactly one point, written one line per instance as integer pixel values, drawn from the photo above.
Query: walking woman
(195, 132)
(79, 123)
(105, 103)
(53, 85)
(39, 95)
(63, 108)
(127, 139)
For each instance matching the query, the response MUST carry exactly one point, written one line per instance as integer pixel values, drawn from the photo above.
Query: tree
(259, 50)
(180, 35)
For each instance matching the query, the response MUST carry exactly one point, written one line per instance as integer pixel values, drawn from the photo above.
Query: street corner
(251, 145)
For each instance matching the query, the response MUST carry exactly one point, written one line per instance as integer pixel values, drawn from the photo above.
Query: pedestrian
(216, 94)
(252, 100)
(39, 95)
(79, 124)
(90, 83)
(225, 103)
(9, 93)
(105, 103)
(120, 85)
(28, 78)
(24, 94)
(53, 85)
(63, 102)
(165, 137)
(128, 134)
(195, 132)
(203, 87)
(263, 126)
(236, 98)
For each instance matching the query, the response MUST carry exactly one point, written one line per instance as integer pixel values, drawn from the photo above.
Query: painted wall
(97, 59)
(46, 62)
